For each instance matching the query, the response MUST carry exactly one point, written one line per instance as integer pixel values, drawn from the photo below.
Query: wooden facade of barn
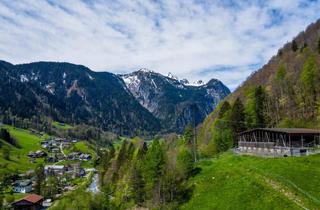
(279, 142)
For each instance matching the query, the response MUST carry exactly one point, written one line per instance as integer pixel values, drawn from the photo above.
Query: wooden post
(290, 140)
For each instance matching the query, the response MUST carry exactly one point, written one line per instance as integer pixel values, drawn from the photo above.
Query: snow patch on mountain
(24, 78)
(90, 77)
(171, 76)
(50, 88)
(131, 80)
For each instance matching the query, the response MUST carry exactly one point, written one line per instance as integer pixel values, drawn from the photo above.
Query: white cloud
(182, 37)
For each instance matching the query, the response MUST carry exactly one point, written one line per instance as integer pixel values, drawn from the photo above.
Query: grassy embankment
(19, 162)
(245, 182)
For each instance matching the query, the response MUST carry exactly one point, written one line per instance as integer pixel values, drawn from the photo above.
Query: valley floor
(244, 182)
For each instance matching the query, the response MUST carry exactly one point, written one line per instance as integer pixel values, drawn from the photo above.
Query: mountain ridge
(75, 94)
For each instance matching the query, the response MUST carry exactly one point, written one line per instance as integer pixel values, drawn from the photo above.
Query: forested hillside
(283, 93)
(74, 94)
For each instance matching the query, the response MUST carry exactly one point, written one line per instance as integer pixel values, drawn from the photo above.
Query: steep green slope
(283, 93)
(18, 156)
(244, 182)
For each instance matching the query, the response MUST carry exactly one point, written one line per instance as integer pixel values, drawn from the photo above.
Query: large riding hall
(279, 142)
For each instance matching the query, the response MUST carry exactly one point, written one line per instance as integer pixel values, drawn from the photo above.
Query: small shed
(279, 141)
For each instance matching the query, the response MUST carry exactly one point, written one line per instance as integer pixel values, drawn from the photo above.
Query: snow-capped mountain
(141, 102)
(175, 102)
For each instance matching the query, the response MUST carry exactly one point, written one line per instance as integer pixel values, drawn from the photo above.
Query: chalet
(85, 157)
(41, 153)
(54, 170)
(44, 144)
(22, 186)
(55, 150)
(51, 159)
(37, 154)
(30, 202)
(279, 142)
(74, 156)
(66, 144)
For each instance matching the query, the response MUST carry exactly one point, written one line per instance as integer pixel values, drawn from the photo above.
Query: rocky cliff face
(176, 103)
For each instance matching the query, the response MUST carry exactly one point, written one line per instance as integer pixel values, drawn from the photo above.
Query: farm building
(279, 142)
(32, 202)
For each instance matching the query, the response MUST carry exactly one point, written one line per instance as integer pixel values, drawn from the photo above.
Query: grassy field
(244, 182)
(81, 146)
(63, 126)
(18, 156)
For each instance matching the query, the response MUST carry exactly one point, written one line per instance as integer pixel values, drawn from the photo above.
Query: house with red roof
(30, 202)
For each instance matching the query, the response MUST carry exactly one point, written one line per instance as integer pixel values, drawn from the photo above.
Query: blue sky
(223, 39)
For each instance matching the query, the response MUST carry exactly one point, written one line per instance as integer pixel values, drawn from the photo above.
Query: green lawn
(18, 156)
(63, 126)
(244, 182)
(81, 146)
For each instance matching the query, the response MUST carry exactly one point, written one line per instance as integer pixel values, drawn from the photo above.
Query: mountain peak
(171, 76)
(145, 70)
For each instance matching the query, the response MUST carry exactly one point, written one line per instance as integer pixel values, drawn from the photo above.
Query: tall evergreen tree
(224, 108)
(190, 140)
(294, 46)
(40, 179)
(260, 100)
(154, 166)
(237, 119)
(137, 183)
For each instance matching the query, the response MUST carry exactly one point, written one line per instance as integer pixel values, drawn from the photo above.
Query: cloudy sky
(224, 39)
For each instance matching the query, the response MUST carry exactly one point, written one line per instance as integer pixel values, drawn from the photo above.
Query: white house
(22, 186)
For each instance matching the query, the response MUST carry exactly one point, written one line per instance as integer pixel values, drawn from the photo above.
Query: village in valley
(49, 169)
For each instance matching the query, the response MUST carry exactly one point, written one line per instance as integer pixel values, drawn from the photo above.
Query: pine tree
(40, 178)
(185, 162)
(137, 184)
(294, 46)
(260, 100)
(224, 108)
(237, 119)
(188, 134)
(154, 166)
(255, 108)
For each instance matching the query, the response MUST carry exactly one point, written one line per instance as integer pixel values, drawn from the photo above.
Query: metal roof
(287, 130)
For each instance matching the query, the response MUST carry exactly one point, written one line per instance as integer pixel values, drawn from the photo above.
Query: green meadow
(19, 161)
(245, 182)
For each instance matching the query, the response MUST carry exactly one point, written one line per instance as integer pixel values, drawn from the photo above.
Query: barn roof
(287, 130)
(33, 198)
